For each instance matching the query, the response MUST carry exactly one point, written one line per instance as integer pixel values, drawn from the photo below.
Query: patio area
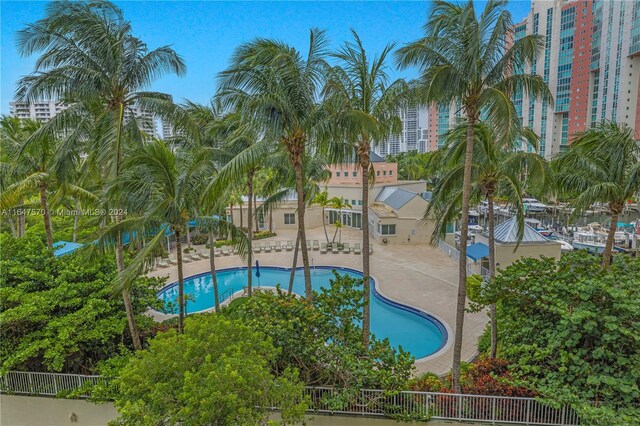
(418, 276)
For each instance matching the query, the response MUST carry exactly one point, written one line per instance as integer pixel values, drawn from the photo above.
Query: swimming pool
(416, 331)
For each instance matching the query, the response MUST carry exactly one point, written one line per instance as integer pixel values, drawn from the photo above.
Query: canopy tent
(477, 251)
(60, 248)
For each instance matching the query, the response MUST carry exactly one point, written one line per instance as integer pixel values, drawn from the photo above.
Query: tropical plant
(471, 60)
(338, 203)
(217, 372)
(91, 60)
(570, 330)
(273, 85)
(601, 165)
(496, 170)
(365, 109)
(322, 199)
(58, 313)
(164, 186)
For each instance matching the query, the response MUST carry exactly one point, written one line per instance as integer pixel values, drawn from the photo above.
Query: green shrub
(218, 372)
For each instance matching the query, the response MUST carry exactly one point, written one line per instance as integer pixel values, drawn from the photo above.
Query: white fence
(369, 402)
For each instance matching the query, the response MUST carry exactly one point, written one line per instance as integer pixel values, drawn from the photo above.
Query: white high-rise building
(413, 136)
(39, 110)
(45, 110)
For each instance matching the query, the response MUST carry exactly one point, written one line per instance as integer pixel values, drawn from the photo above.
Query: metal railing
(49, 384)
(369, 402)
(407, 404)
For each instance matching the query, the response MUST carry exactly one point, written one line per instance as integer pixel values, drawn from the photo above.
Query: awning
(60, 248)
(477, 251)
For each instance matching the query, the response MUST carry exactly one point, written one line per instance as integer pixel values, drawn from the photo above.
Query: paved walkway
(419, 276)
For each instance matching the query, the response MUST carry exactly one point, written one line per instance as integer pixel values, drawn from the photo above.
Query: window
(353, 202)
(378, 173)
(387, 229)
(359, 202)
(390, 172)
(337, 174)
(384, 173)
(355, 174)
(289, 218)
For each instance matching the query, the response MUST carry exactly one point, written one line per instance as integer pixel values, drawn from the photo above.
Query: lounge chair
(226, 251)
(267, 247)
(323, 248)
(316, 246)
(162, 264)
(195, 256)
(204, 254)
(171, 261)
(289, 245)
(370, 249)
(308, 245)
(334, 249)
(278, 246)
(356, 249)
(345, 248)
(218, 251)
(257, 248)
(186, 258)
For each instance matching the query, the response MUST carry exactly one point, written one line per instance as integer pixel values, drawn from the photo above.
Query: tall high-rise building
(414, 134)
(39, 110)
(591, 62)
(45, 110)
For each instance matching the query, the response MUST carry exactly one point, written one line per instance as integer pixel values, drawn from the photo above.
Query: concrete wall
(385, 173)
(505, 254)
(410, 228)
(312, 216)
(36, 411)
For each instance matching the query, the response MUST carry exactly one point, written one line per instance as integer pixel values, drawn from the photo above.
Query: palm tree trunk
(366, 272)
(324, 224)
(255, 206)
(180, 283)
(611, 235)
(231, 210)
(45, 215)
(492, 274)
(212, 265)
(295, 263)
(13, 226)
(240, 205)
(21, 220)
(76, 217)
(462, 262)
(126, 297)
(270, 219)
(250, 230)
(302, 234)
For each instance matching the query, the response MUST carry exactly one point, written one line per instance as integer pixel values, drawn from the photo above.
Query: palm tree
(338, 203)
(41, 167)
(366, 108)
(91, 60)
(322, 199)
(273, 85)
(496, 169)
(165, 186)
(471, 59)
(601, 165)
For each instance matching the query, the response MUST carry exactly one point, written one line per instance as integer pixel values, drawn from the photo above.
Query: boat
(565, 247)
(531, 205)
(590, 241)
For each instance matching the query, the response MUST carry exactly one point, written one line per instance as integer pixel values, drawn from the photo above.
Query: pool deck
(417, 275)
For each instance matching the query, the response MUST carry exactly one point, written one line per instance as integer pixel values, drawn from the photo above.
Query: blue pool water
(417, 332)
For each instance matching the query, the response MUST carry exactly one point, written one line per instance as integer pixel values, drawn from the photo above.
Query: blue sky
(205, 33)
